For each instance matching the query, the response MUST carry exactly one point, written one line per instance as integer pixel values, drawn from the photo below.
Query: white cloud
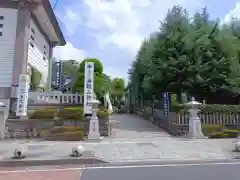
(68, 52)
(234, 13)
(120, 24)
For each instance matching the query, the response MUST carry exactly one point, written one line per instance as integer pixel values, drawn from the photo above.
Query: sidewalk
(121, 150)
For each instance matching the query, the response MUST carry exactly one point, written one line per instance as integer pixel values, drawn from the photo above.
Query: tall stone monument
(90, 102)
(88, 87)
(22, 101)
(2, 120)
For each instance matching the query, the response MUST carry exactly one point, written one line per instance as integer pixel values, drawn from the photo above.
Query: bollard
(18, 153)
(77, 151)
(237, 144)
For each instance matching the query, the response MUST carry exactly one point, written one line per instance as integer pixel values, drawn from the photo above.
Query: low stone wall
(22, 128)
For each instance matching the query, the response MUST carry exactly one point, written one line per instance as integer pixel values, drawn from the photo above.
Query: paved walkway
(135, 140)
(131, 126)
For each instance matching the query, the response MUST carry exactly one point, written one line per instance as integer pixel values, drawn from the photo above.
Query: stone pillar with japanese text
(88, 87)
(22, 100)
(90, 102)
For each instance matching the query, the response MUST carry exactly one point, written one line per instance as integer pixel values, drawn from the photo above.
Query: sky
(112, 30)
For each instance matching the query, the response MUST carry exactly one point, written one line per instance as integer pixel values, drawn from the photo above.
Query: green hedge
(209, 108)
(208, 129)
(65, 133)
(231, 133)
(218, 135)
(67, 136)
(219, 131)
(64, 129)
(71, 114)
(103, 114)
(47, 113)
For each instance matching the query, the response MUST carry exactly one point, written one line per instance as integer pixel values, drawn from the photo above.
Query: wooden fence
(177, 123)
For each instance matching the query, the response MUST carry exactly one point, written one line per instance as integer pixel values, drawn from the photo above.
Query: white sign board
(22, 100)
(88, 87)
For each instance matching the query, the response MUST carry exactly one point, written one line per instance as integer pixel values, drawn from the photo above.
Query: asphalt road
(209, 171)
(179, 171)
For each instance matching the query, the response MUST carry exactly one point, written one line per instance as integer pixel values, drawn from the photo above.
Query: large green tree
(98, 77)
(69, 67)
(192, 55)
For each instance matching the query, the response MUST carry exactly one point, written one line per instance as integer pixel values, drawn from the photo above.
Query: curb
(51, 162)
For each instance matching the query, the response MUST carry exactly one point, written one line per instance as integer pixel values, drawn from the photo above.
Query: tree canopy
(98, 74)
(192, 55)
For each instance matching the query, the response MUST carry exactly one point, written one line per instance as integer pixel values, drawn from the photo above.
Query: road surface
(170, 172)
(188, 171)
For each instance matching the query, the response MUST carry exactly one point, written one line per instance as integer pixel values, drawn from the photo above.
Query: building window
(1, 25)
(0, 33)
(32, 37)
(1, 17)
(31, 44)
(44, 58)
(45, 50)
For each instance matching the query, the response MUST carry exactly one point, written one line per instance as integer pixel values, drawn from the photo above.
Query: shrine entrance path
(128, 126)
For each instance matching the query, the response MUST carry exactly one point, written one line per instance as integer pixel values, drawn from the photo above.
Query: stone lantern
(94, 122)
(195, 129)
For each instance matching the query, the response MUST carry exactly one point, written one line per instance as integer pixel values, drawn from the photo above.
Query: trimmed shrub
(211, 128)
(231, 133)
(103, 114)
(209, 108)
(71, 114)
(67, 136)
(218, 135)
(46, 113)
(44, 133)
(64, 129)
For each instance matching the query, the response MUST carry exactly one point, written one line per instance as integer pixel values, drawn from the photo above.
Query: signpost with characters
(88, 87)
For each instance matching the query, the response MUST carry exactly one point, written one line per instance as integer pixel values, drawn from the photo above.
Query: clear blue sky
(112, 30)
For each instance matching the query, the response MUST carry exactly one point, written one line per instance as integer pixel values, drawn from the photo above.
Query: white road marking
(122, 167)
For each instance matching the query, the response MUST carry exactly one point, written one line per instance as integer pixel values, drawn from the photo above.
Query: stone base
(200, 136)
(94, 138)
(195, 129)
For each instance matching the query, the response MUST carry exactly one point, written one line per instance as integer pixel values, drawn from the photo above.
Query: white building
(28, 33)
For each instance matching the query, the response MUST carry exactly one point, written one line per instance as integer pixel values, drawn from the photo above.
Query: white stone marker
(22, 101)
(195, 129)
(94, 122)
(2, 119)
(88, 87)
(237, 144)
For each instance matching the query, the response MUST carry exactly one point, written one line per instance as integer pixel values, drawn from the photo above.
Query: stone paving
(132, 126)
(135, 140)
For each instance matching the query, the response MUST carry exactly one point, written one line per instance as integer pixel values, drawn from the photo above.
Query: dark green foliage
(187, 55)
(98, 77)
(35, 79)
(98, 67)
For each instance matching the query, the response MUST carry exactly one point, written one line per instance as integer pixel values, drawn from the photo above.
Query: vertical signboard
(58, 74)
(88, 87)
(22, 100)
(166, 105)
